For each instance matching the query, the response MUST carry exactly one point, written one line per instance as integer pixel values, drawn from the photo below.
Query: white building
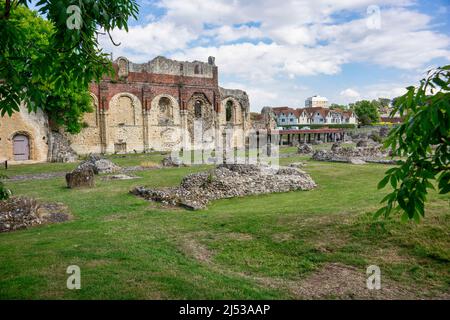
(317, 115)
(316, 102)
(286, 116)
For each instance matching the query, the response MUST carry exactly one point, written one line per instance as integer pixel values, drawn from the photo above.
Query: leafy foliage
(48, 65)
(4, 192)
(335, 106)
(367, 111)
(424, 139)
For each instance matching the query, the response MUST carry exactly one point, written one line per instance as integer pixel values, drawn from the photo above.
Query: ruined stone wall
(162, 65)
(148, 105)
(32, 125)
(240, 116)
(145, 107)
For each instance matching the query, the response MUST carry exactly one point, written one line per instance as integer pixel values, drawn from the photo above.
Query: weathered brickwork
(146, 107)
(148, 104)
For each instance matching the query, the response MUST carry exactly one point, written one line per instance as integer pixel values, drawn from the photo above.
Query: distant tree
(424, 141)
(367, 111)
(335, 106)
(384, 102)
(49, 64)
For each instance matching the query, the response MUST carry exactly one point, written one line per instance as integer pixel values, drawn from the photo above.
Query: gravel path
(51, 175)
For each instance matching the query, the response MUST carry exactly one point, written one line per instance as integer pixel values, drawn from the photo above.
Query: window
(197, 69)
(229, 111)
(283, 120)
(198, 109)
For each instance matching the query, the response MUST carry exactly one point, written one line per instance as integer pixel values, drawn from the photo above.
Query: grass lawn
(260, 247)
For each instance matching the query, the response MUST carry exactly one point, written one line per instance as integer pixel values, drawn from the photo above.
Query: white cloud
(350, 94)
(145, 42)
(307, 40)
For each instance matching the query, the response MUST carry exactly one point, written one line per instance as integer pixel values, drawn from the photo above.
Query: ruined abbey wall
(149, 106)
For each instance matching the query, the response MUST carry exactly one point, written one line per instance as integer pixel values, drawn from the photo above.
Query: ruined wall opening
(165, 111)
(198, 109)
(229, 111)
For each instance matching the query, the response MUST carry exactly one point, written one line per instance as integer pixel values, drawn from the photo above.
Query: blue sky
(281, 52)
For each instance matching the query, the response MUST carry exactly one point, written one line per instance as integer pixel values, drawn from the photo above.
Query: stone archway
(164, 122)
(231, 112)
(200, 112)
(165, 110)
(91, 118)
(125, 124)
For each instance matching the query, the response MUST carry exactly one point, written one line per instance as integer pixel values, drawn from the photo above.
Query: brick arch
(91, 118)
(208, 114)
(135, 104)
(237, 111)
(170, 118)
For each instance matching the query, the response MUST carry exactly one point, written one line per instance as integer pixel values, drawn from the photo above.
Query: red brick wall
(146, 86)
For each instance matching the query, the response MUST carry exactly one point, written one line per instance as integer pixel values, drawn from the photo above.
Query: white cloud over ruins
(258, 42)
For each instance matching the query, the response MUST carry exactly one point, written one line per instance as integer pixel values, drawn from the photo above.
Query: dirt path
(51, 175)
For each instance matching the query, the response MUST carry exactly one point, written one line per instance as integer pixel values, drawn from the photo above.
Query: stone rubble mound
(305, 149)
(172, 162)
(99, 165)
(21, 213)
(358, 155)
(229, 181)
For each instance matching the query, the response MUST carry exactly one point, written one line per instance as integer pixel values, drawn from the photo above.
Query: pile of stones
(305, 149)
(21, 213)
(83, 175)
(172, 162)
(99, 165)
(229, 181)
(358, 155)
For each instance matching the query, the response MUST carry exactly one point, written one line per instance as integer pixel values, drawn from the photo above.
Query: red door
(21, 147)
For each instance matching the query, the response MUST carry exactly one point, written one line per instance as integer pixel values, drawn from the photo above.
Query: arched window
(229, 111)
(198, 109)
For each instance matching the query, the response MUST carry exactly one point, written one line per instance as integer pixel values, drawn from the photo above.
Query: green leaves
(367, 111)
(5, 193)
(48, 65)
(424, 138)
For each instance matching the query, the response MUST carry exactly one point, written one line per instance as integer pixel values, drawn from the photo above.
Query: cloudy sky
(281, 52)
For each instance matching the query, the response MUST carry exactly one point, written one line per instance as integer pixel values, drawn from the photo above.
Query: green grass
(128, 248)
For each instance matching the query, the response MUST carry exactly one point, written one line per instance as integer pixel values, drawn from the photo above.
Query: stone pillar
(104, 140)
(145, 129)
(185, 137)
